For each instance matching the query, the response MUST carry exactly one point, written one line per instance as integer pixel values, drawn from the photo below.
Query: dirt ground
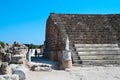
(105, 72)
(78, 73)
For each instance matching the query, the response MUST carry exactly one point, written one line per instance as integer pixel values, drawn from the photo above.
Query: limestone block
(14, 77)
(20, 72)
(2, 51)
(66, 55)
(42, 67)
(1, 57)
(7, 57)
(67, 64)
(17, 59)
(5, 68)
(59, 55)
(5, 77)
(33, 68)
(9, 77)
(52, 56)
(1, 78)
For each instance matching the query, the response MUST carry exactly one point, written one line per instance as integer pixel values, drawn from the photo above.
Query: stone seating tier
(96, 54)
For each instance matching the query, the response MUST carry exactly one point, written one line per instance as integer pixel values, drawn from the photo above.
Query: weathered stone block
(67, 64)
(5, 68)
(9, 77)
(14, 77)
(20, 72)
(53, 56)
(7, 57)
(18, 59)
(59, 55)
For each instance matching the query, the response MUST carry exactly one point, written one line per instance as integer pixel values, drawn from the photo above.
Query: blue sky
(25, 20)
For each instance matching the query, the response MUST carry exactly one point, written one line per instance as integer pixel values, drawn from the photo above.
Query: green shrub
(32, 46)
(2, 44)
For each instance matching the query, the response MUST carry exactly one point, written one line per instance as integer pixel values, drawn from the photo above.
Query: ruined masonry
(94, 38)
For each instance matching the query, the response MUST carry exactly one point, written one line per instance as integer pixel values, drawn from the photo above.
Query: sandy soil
(78, 73)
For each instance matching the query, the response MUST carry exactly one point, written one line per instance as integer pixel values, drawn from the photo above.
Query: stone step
(95, 49)
(95, 45)
(75, 58)
(76, 64)
(83, 29)
(91, 35)
(88, 53)
(91, 32)
(100, 57)
(91, 38)
(96, 62)
(76, 61)
(75, 54)
(114, 46)
(91, 42)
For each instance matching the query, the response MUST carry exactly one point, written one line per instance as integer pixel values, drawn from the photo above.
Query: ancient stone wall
(115, 23)
(89, 29)
(81, 29)
(54, 43)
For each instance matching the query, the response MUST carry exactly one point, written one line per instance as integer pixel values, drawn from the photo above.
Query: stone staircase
(96, 54)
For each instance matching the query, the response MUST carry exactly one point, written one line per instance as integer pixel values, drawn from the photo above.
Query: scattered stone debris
(67, 69)
(41, 67)
(9, 77)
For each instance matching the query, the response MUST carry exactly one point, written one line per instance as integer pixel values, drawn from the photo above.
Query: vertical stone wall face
(54, 43)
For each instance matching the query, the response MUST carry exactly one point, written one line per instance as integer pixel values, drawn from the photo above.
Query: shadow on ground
(41, 59)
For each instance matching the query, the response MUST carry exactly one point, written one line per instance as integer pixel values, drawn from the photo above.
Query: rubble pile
(12, 54)
(8, 52)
